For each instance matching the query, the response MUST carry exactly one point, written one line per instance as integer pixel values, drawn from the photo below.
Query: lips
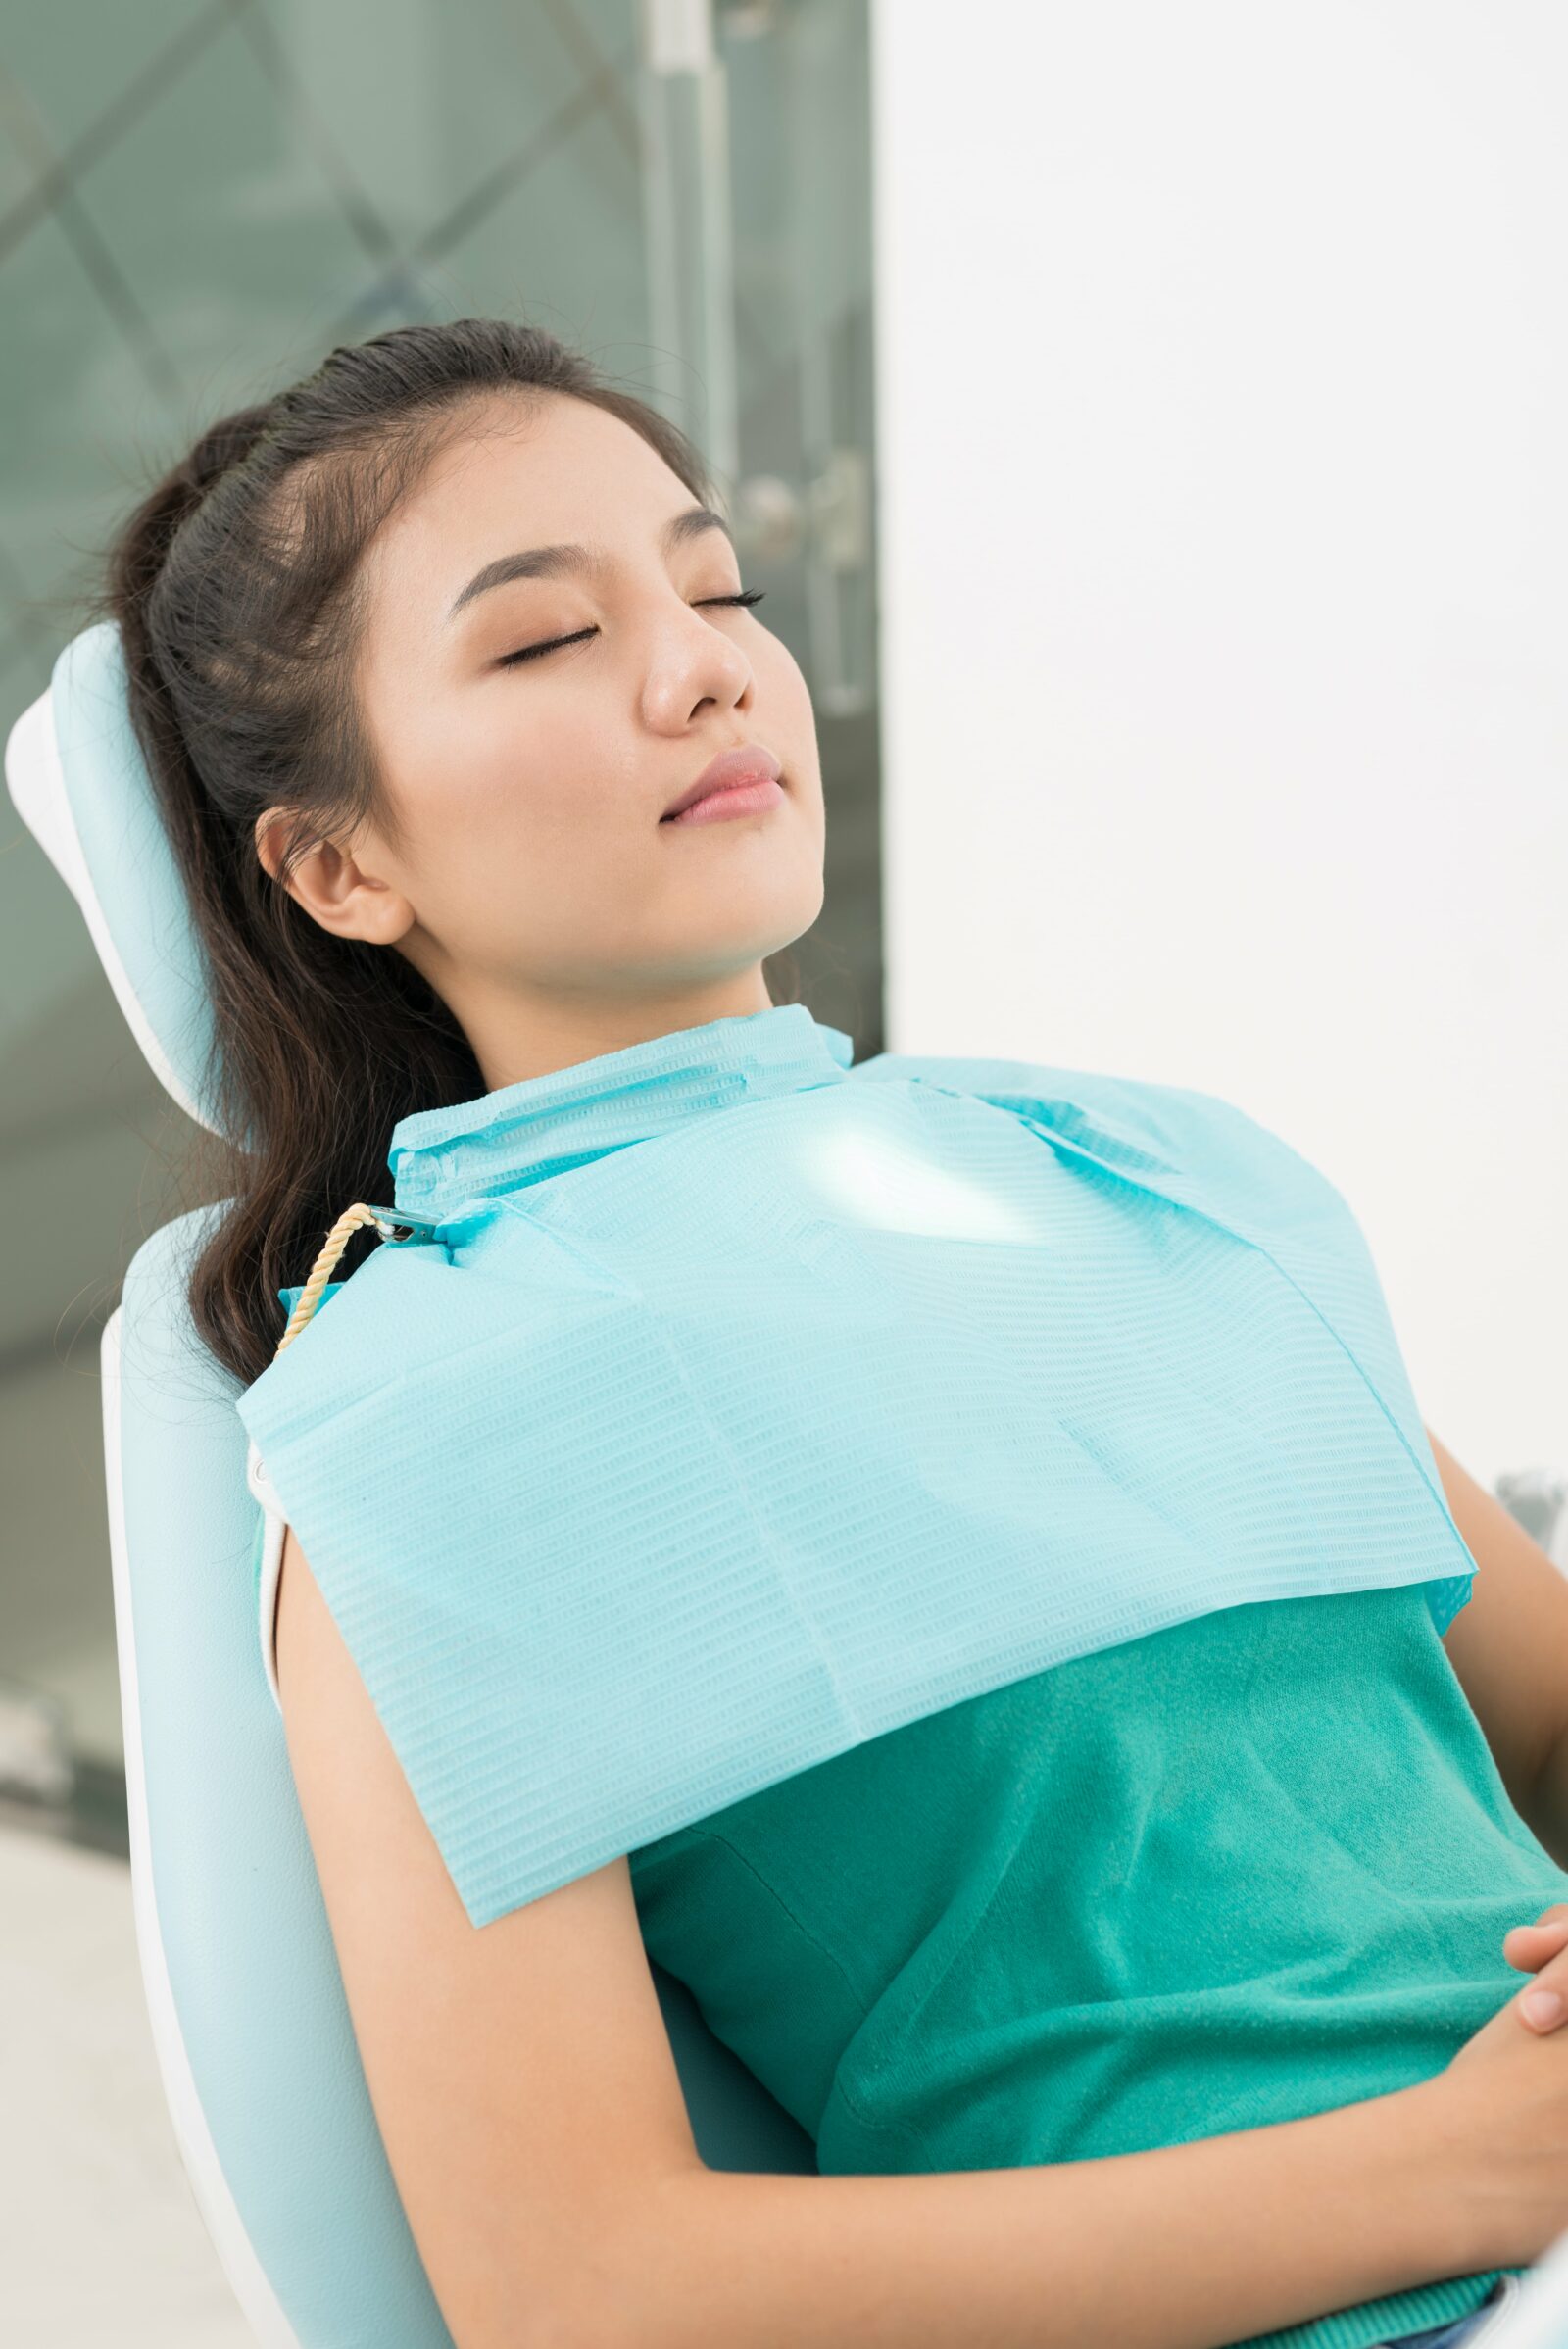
(748, 762)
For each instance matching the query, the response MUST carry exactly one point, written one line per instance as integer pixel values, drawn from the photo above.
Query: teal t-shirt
(1245, 1869)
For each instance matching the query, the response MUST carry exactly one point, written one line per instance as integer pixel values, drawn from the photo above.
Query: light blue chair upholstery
(253, 2034)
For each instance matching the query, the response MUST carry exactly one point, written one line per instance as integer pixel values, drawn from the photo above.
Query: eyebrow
(549, 562)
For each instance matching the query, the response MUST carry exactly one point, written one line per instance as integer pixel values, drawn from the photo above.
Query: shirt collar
(520, 1134)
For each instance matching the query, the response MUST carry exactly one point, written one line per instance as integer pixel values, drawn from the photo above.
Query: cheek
(786, 695)
(538, 826)
(538, 764)
(468, 799)
(781, 674)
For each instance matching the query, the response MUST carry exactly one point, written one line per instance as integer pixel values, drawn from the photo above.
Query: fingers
(1529, 1946)
(1544, 2005)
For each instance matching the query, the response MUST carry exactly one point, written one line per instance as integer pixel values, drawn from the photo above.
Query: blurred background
(198, 200)
(1146, 425)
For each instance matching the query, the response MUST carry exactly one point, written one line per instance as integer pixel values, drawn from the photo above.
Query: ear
(336, 888)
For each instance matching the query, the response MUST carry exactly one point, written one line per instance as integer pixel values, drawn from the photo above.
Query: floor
(104, 2241)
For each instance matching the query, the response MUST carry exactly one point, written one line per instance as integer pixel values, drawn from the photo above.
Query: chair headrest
(80, 785)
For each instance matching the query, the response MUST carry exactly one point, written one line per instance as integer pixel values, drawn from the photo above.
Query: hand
(1496, 2119)
(1529, 1947)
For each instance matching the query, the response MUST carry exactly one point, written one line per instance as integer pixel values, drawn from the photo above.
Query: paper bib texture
(656, 1477)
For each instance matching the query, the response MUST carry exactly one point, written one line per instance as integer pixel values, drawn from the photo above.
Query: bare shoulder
(522, 2074)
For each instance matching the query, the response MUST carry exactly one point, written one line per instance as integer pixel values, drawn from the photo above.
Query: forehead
(521, 474)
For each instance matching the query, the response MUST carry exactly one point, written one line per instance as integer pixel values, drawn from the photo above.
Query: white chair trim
(37, 784)
(274, 1527)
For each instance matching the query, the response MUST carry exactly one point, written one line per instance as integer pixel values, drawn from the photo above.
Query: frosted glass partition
(197, 201)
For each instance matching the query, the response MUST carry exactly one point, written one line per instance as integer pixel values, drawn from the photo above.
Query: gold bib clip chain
(392, 1224)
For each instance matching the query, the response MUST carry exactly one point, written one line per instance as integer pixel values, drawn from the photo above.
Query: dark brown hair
(235, 585)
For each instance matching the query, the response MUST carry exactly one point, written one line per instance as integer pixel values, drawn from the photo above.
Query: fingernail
(1543, 2006)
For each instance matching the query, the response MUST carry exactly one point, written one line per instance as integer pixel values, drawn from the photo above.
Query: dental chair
(254, 2041)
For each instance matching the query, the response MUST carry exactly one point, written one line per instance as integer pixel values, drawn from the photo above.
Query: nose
(692, 663)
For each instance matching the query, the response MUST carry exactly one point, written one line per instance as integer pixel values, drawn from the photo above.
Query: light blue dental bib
(745, 1404)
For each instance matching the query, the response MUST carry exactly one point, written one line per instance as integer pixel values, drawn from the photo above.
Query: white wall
(1223, 498)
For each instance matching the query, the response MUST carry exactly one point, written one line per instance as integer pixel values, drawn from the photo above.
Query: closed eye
(751, 595)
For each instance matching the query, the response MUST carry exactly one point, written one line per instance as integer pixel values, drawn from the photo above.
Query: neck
(537, 1127)
(517, 1037)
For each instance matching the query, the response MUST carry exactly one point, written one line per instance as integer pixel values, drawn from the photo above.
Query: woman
(1087, 2062)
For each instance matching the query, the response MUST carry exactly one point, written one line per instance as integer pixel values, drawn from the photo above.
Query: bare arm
(1548, 1816)
(1509, 1651)
(1186, 2247)
(525, 2092)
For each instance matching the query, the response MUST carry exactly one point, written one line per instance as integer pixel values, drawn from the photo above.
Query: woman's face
(535, 884)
